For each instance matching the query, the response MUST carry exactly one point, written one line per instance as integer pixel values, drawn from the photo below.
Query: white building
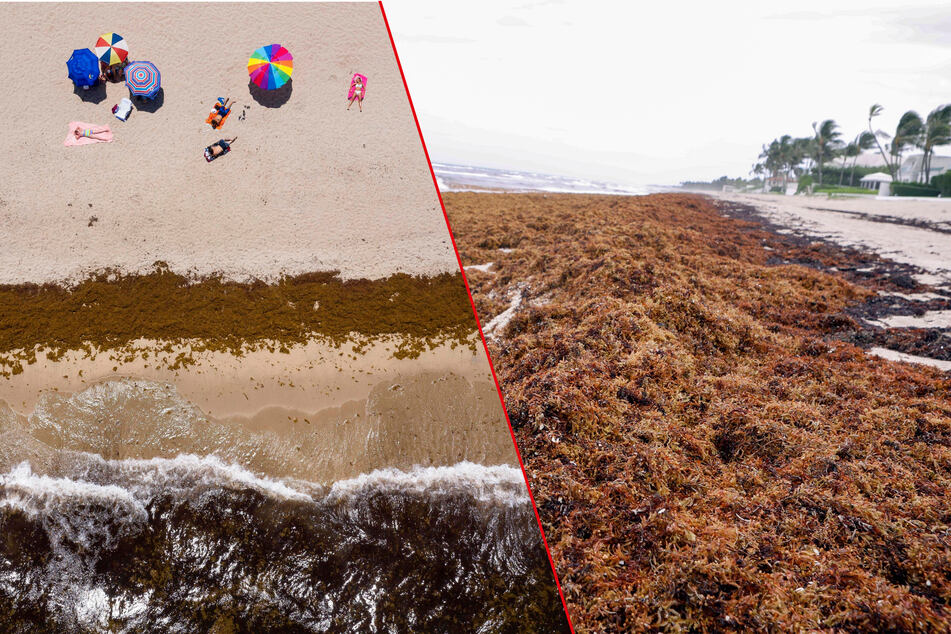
(912, 170)
(879, 180)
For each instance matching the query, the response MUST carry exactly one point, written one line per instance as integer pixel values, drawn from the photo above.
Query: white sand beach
(308, 186)
(883, 226)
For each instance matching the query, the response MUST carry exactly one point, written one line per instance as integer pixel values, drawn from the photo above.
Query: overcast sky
(656, 93)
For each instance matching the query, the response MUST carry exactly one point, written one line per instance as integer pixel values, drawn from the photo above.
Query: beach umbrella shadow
(96, 94)
(271, 98)
(150, 105)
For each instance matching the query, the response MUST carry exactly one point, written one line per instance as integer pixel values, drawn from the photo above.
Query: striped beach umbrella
(111, 49)
(83, 67)
(143, 79)
(270, 66)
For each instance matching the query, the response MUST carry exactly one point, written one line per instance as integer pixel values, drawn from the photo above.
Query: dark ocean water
(192, 544)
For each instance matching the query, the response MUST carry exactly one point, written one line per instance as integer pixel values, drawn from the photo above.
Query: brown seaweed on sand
(707, 450)
(110, 310)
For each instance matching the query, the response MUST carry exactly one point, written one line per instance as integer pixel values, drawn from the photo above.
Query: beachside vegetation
(836, 189)
(787, 156)
(914, 189)
(943, 183)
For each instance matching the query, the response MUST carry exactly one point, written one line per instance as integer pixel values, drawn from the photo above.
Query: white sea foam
(496, 483)
(42, 495)
(463, 178)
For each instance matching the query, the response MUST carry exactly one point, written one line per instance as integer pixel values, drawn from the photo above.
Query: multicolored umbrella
(270, 66)
(143, 79)
(111, 49)
(83, 67)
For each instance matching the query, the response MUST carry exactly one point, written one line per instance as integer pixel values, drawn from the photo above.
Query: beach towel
(215, 112)
(222, 144)
(123, 109)
(353, 85)
(81, 125)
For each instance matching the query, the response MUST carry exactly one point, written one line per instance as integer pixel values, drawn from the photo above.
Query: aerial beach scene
(242, 387)
(730, 393)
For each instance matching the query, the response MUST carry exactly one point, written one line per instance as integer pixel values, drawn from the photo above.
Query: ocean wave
(192, 543)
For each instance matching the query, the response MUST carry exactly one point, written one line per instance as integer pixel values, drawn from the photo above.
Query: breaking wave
(195, 544)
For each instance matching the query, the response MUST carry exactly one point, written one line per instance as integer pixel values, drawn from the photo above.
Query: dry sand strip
(308, 186)
(912, 232)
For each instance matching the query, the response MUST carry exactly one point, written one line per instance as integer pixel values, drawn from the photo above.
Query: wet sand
(915, 232)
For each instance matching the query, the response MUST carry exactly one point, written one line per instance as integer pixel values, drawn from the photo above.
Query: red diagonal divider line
(478, 323)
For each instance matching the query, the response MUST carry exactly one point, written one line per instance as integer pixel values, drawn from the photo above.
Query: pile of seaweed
(110, 310)
(708, 450)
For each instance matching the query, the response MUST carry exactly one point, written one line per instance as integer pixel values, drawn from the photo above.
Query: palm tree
(772, 158)
(801, 150)
(849, 151)
(827, 142)
(873, 112)
(908, 133)
(936, 130)
(862, 142)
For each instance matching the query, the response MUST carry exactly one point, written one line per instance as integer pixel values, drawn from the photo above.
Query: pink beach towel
(80, 125)
(353, 85)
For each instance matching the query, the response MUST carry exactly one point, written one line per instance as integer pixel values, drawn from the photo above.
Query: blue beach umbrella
(143, 79)
(83, 67)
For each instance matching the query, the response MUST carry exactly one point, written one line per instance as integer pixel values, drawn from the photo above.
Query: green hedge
(830, 174)
(914, 189)
(943, 183)
(835, 189)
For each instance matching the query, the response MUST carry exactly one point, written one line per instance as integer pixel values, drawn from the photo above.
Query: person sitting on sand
(92, 133)
(357, 93)
(221, 111)
(115, 73)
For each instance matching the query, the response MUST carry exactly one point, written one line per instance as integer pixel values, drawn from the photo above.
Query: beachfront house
(786, 183)
(912, 170)
(879, 180)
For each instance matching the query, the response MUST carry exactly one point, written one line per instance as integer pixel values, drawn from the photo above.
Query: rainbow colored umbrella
(83, 67)
(270, 66)
(143, 79)
(111, 49)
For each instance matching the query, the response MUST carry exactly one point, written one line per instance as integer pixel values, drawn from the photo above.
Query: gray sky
(656, 93)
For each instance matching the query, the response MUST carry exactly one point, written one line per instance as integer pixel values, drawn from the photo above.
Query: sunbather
(97, 134)
(220, 148)
(221, 111)
(357, 94)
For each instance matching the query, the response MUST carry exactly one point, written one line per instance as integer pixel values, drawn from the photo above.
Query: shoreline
(903, 321)
(319, 413)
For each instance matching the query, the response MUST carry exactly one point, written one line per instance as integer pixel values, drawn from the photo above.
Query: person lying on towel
(97, 134)
(358, 89)
(220, 148)
(221, 112)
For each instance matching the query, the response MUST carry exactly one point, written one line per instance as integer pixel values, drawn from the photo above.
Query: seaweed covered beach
(709, 443)
(114, 310)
